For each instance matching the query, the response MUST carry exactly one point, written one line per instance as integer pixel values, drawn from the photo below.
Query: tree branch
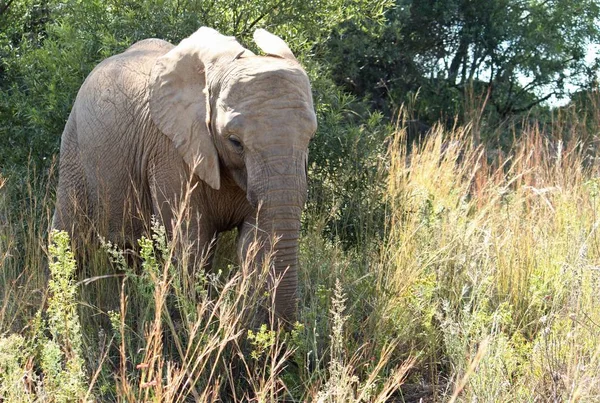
(259, 18)
(532, 104)
(5, 6)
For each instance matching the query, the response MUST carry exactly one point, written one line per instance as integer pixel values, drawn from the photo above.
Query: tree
(517, 53)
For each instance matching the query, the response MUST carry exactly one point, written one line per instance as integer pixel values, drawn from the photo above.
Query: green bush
(47, 363)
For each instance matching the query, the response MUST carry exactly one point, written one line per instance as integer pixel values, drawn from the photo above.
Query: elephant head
(231, 112)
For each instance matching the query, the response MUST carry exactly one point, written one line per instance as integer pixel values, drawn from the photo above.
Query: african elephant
(236, 124)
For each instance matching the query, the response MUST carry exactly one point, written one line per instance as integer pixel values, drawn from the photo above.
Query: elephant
(234, 125)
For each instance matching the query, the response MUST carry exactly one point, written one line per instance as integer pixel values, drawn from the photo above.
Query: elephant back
(113, 98)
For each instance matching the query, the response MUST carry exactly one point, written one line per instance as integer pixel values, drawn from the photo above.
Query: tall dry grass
(500, 253)
(484, 287)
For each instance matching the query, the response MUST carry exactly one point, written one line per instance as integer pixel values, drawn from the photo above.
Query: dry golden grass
(484, 287)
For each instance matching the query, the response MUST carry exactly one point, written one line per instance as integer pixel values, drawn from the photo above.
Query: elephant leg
(72, 212)
(177, 206)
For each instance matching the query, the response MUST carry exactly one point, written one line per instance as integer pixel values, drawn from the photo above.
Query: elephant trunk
(284, 270)
(279, 197)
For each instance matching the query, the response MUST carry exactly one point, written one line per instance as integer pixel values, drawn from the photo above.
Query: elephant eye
(237, 144)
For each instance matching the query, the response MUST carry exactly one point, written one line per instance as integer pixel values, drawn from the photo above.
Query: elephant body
(206, 122)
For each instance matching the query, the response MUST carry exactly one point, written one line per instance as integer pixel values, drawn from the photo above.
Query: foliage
(261, 341)
(47, 49)
(515, 53)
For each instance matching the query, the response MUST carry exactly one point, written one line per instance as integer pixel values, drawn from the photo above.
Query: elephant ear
(179, 100)
(272, 44)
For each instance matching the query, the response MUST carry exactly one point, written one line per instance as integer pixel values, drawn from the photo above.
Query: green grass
(483, 287)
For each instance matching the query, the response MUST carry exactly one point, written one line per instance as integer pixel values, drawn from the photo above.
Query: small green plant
(54, 347)
(62, 361)
(12, 368)
(261, 341)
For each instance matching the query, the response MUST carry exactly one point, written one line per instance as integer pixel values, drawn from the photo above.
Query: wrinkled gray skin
(237, 124)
